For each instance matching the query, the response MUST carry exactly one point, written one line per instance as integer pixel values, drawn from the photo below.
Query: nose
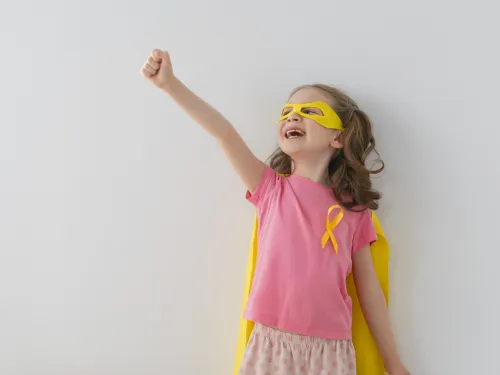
(294, 116)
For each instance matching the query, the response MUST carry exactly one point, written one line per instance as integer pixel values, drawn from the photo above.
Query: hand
(158, 69)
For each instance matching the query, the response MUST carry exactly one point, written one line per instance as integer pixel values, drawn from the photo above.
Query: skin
(310, 155)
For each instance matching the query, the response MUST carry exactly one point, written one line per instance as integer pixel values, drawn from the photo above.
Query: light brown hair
(348, 176)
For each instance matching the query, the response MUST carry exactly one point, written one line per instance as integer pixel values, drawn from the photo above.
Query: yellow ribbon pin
(330, 226)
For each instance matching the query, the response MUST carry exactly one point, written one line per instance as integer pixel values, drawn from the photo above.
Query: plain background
(123, 230)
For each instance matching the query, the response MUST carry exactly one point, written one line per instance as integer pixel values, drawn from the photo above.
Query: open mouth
(294, 133)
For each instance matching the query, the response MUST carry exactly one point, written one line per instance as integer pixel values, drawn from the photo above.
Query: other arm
(373, 305)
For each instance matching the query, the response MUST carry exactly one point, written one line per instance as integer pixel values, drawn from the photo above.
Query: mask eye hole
(312, 111)
(286, 111)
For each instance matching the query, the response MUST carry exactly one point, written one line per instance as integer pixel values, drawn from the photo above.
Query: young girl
(299, 302)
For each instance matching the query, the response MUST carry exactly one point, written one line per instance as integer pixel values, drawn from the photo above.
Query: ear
(337, 140)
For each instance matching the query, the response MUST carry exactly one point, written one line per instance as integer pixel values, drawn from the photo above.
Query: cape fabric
(368, 359)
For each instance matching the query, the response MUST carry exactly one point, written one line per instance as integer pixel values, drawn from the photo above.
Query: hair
(348, 176)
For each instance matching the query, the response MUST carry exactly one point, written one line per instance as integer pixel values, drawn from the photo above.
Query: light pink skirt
(272, 352)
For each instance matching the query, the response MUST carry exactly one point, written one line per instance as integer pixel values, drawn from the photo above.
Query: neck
(314, 169)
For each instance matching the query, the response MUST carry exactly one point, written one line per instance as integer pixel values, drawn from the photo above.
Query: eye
(312, 111)
(286, 111)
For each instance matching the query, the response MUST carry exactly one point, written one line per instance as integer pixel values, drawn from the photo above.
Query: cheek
(279, 133)
(318, 133)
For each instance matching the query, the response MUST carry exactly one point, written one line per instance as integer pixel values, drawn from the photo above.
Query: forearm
(200, 111)
(373, 305)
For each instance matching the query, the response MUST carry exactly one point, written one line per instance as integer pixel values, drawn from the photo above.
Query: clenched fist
(158, 69)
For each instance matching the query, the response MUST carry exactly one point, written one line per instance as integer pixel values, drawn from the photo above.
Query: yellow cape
(368, 359)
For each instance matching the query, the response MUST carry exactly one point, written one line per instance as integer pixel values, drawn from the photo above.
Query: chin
(292, 150)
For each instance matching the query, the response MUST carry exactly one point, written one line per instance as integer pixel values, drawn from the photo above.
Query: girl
(299, 302)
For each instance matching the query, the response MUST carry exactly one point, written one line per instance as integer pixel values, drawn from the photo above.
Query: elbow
(227, 135)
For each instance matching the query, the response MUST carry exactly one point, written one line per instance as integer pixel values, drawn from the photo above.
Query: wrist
(394, 366)
(171, 85)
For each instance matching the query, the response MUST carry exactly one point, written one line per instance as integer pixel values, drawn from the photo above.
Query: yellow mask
(319, 112)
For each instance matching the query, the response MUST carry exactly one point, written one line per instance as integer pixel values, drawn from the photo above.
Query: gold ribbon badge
(330, 226)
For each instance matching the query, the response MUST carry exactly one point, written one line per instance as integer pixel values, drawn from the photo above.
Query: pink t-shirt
(298, 285)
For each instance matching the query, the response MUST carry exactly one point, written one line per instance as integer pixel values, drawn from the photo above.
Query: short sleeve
(365, 232)
(267, 184)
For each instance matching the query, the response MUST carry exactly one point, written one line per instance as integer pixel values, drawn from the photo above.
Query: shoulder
(365, 233)
(359, 216)
(268, 183)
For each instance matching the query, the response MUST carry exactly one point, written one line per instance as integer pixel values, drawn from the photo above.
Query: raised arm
(158, 70)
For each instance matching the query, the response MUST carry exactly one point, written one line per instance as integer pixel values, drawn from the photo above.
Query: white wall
(123, 231)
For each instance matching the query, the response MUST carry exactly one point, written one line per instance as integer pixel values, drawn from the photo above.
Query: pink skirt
(272, 352)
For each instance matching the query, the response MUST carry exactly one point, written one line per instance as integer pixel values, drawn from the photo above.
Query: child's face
(310, 136)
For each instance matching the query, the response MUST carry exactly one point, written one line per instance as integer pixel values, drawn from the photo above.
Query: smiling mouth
(294, 133)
